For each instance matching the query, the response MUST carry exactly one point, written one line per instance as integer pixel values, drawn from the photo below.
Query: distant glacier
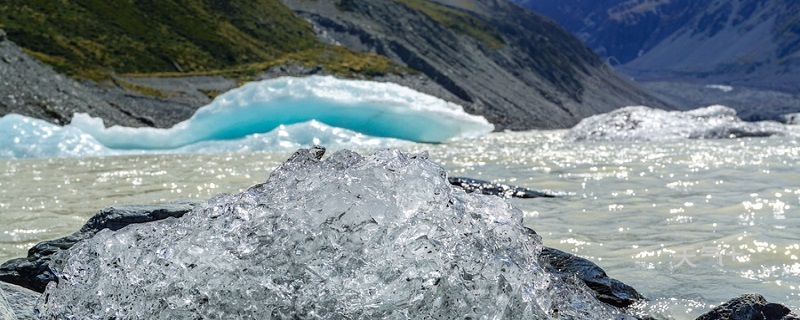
(276, 114)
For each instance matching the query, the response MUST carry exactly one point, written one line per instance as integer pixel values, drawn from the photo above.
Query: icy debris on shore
(381, 236)
(644, 123)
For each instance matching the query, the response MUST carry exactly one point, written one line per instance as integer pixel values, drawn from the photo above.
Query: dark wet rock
(35, 271)
(2, 35)
(21, 301)
(496, 189)
(749, 307)
(606, 289)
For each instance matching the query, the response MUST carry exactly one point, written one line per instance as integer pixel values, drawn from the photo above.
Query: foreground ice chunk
(6, 312)
(368, 107)
(644, 123)
(19, 302)
(382, 236)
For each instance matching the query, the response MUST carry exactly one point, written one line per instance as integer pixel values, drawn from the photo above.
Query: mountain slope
(740, 42)
(31, 88)
(516, 68)
(89, 38)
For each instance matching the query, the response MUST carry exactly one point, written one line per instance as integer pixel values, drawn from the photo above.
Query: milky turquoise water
(689, 224)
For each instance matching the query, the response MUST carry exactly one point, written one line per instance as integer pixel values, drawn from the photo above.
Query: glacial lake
(688, 223)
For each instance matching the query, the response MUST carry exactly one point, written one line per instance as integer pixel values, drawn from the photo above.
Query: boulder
(749, 307)
(606, 289)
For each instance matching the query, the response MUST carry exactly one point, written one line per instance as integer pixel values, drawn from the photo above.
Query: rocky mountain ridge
(514, 67)
(528, 74)
(739, 42)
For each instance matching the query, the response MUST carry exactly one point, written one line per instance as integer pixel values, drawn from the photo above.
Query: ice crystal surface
(380, 236)
(644, 123)
(6, 313)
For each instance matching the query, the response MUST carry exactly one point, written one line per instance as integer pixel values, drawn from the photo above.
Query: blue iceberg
(371, 108)
(278, 114)
(24, 137)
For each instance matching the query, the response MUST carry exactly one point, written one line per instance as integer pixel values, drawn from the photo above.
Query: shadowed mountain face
(516, 68)
(512, 66)
(740, 42)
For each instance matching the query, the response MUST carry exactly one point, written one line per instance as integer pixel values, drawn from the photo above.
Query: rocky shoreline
(31, 88)
(24, 279)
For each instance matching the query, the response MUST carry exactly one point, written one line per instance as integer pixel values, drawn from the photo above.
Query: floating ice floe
(378, 237)
(720, 87)
(644, 123)
(278, 114)
(24, 137)
(371, 108)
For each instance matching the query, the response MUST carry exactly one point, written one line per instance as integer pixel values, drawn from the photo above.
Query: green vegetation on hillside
(337, 60)
(90, 38)
(460, 21)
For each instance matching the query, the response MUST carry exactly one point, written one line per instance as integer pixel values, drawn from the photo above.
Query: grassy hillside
(457, 20)
(90, 38)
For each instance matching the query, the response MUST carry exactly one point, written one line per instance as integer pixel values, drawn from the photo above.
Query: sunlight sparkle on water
(687, 223)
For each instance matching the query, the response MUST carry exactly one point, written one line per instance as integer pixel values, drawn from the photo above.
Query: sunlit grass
(91, 39)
